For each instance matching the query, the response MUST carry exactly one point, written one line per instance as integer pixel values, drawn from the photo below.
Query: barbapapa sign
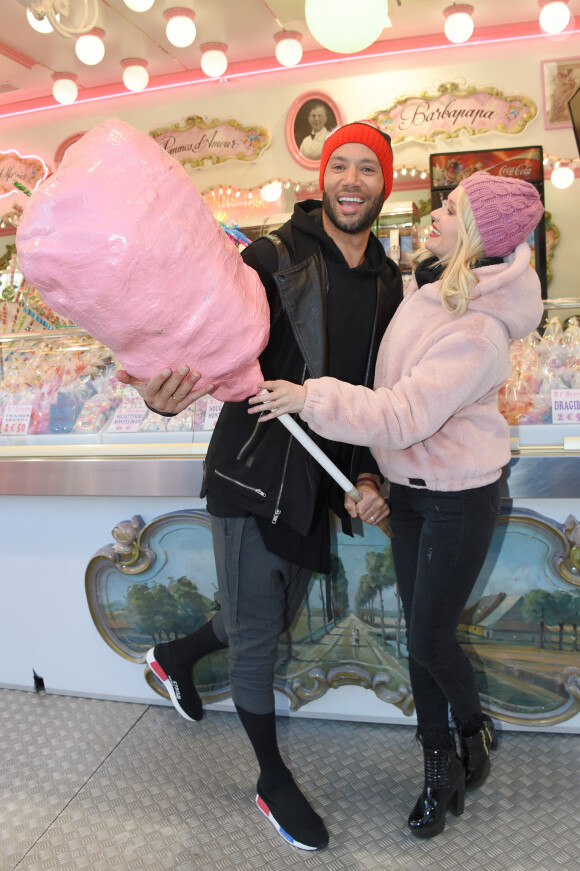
(454, 110)
(197, 139)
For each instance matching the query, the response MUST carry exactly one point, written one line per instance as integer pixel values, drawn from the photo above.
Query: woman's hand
(372, 508)
(276, 398)
(168, 391)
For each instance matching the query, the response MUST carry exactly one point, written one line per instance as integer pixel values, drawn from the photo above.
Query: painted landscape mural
(520, 628)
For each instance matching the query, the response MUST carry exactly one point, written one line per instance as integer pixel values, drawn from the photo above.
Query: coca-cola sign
(448, 169)
(454, 110)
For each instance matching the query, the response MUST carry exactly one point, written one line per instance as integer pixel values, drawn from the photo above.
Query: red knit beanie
(366, 133)
(506, 210)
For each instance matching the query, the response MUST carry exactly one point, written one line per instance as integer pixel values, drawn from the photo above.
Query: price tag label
(566, 406)
(213, 408)
(129, 416)
(16, 420)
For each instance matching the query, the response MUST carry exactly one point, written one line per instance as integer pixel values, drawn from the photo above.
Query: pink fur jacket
(433, 413)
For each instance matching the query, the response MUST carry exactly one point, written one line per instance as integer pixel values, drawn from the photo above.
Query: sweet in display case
(58, 387)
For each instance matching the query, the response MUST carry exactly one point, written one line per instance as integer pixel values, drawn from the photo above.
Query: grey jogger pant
(260, 594)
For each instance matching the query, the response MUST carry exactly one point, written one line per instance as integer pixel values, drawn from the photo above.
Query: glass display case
(60, 401)
(397, 228)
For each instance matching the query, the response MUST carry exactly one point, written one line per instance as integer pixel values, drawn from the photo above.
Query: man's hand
(168, 391)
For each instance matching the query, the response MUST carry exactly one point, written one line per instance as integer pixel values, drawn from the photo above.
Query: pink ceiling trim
(17, 56)
(269, 66)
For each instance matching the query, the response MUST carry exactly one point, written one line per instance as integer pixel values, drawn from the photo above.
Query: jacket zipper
(241, 484)
(245, 447)
(277, 510)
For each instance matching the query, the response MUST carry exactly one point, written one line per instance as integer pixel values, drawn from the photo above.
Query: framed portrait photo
(310, 119)
(561, 79)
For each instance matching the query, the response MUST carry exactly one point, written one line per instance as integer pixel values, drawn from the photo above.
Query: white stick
(319, 455)
(327, 464)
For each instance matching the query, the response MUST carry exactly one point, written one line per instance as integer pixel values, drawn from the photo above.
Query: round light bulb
(458, 22)
(288, 48)
(64, 89)
(180, 28)
(135, 75)
(271, 192)
(41, 25)
(554, 17)
(139, 5)
(214, 61)
(333, 25)
(90, 48)
(562, 177)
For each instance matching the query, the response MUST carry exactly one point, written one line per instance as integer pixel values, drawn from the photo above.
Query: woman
(434, 427)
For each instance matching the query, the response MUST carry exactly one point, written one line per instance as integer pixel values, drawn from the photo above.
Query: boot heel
(444, 789)
(457, 804)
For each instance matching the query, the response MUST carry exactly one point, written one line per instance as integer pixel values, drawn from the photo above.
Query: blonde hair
(458, 280)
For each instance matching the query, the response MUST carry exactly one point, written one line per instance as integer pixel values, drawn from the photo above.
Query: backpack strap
(284, 256)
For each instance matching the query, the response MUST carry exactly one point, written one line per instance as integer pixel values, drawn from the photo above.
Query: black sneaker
(177, 681)
(292, 817)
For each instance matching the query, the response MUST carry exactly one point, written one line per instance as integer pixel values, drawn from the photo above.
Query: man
(311, 146)
(332, 292)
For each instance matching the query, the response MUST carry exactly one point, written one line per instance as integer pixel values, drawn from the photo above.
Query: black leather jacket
(260, 467)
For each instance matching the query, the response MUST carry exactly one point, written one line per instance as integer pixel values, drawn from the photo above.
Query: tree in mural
(192, 606)
(537, 608)
(364, 599)
(575, 618)
(339, 588)
(566, 608)
(379, 575)
(164, 611)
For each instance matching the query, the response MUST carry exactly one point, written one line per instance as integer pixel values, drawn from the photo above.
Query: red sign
(448, 169)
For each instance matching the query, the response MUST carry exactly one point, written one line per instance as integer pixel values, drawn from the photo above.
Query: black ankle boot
(475, 752)
(444, 787)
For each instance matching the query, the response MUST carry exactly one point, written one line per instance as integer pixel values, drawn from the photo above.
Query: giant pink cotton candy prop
(120, 241)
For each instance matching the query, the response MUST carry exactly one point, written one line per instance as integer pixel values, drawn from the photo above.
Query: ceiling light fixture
(554, 16)
(42, 24)
(333, 25)
(271, 192)
(64, 89)
(214, 61)
(180, 29)
(288, 47)
(135, 75)
(139, 5)
(90, 48)
(67, 17)
(562, 176)
(458, 22)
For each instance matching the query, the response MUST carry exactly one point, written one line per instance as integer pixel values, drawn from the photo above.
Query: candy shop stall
(102, 522)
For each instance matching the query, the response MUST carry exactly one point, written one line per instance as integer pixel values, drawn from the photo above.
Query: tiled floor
(108, 786)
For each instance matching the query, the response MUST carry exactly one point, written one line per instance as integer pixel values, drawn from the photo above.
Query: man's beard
(363, 221)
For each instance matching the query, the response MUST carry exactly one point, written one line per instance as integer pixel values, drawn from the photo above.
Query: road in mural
(520, 627)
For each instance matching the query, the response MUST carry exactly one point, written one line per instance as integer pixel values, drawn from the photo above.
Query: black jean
(440, 542)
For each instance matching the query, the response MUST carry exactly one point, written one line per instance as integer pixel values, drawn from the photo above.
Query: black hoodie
(335, 329)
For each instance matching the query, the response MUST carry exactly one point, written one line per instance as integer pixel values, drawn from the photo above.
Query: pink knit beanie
(367, 133)
(506, 210)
